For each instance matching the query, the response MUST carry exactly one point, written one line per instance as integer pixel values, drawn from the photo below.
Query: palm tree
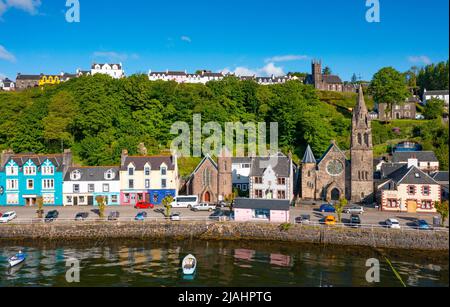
(442, 209)
(167, 201)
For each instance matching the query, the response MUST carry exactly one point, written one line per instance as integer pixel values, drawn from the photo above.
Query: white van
(185, 201)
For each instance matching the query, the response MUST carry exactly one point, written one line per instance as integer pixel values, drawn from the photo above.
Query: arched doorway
(335, 194)
(207, 197)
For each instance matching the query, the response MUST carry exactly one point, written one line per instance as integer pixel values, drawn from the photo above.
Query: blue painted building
(25, 177)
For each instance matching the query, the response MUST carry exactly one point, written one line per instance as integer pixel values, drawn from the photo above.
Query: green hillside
(97, 117)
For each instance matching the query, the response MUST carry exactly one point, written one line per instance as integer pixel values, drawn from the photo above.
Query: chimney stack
(123, 157)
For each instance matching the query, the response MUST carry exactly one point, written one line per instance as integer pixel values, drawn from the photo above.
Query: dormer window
(12, 170)
(29, 170)
(109, 175)
(163, 170)
(75, 175)
(130, 171)
(147, 170)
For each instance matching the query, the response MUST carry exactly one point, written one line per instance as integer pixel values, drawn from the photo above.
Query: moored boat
(17, 259)
(189, 265)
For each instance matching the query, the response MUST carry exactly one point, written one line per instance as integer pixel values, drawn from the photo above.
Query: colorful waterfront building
(26, 177)
(147, 178)
(82, 185)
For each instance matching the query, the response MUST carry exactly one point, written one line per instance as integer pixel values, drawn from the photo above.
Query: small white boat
(17, 259)
(189, 265)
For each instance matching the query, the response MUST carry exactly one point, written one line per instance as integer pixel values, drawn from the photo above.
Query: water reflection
(219, 264)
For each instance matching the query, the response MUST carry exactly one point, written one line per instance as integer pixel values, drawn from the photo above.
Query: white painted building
(241, 168)
(82, 185)
(113, 70)
(7, 85)
(185, 77)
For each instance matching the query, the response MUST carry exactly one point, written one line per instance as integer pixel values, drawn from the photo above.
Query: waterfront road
(370, 217)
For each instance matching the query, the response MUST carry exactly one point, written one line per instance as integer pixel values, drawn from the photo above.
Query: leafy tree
(40, 206)
(167, 201)
(101, 203)
(339, 206)
(442, 209)
(354, 79)
(389, 86)
(433, 109)
(434, 77)
(327, 71)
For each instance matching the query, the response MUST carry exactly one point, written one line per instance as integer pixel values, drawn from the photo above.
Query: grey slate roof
(281, 169)
(422, 156)
(95, 173)
(268, 204)
(38, 160)
(28, 77)
(332, 146)
(241, 160)
(154, 162)
(433, 93)
(412, 175)
(309, 156)
(388, 168)
(332, 79)
(101, 65)
(441, 176)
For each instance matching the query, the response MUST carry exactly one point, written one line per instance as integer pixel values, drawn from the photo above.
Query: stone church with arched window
(333, 176)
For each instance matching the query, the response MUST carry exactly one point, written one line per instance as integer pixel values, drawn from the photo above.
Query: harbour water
(226, 264)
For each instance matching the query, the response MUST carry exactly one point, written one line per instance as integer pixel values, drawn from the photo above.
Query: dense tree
(434, 77)
(433, 109)
(389, 86)
(327, 70)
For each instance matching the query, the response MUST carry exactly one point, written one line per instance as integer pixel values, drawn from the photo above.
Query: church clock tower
(361, 153)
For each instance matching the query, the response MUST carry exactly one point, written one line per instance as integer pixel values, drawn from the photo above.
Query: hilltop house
(147, 178)
(442, 95)
(82, 185)
(7, 85)
(25, 177)
(113, 70)
(407, 110)
(326, 82)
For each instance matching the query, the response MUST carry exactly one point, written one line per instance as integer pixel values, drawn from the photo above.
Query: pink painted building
(261, 210)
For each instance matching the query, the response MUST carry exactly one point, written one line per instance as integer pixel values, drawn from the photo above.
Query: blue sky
(236, 35)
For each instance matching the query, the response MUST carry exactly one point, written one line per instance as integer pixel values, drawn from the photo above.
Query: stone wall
(379, 238)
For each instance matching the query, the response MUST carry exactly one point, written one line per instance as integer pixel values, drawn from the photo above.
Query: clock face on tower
(335, 168)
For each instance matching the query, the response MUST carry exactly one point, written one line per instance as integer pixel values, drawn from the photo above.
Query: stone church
(211, 181)
(333, 177)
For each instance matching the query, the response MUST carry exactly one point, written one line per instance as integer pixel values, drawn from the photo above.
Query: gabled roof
(268, 204)
(38, 160)
(332, 79)
(332, 146)
(155, 162)
(388, 168)
(411, 175)
(95, 173)
(309, 156)
(281, 169)
(28, 77)
(206, 158)
(422, 156)
(433, 93)
(241, 160)
(119, 66)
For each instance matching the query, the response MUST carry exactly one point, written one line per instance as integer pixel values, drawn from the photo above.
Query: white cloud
(186, 39)
(6, 55)
(268, 70)
(29, 6)
(286, 58)
(421, 59)
(115, 56)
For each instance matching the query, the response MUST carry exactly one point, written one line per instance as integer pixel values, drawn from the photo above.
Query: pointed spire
(309, 156)
(361, 108)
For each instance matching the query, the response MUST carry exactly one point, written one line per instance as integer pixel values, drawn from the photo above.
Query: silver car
(354, 210)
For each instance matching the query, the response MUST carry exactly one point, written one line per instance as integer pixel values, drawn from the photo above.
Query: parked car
(304, 219)
(51, 216)
(355, 220)
(185, 201)
(422, 225)
(175, 217)
(392, 223)
(327, 208)
(114, 216)
(354, 210)
(81, 216)
(330, 220)
(144, 205)
(218, 215)
(222, 204)
(8, 217)
(141, 216)
(203, 207)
